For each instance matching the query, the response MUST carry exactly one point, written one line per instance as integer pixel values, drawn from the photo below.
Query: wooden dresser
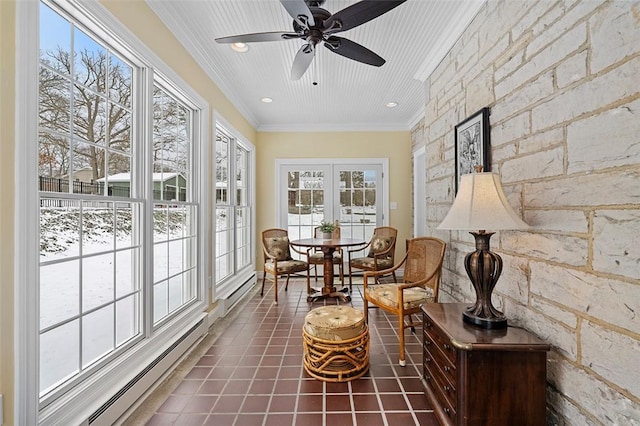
(476, 376)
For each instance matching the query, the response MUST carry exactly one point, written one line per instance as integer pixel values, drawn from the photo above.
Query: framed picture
(472, 144)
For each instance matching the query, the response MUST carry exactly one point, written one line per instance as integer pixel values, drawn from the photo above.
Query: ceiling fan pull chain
(315, 69)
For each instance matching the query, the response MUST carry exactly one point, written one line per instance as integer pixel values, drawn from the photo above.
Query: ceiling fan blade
(359, 13)
(302, 61)
(352, 50)
(258, 37)
(297, 8)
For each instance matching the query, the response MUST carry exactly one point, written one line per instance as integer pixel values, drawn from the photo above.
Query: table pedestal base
(321, 294)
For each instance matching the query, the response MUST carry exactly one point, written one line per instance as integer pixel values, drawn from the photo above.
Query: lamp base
(488, 323)
(483, 267)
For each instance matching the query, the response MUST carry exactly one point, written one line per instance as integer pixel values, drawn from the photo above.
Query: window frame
(239, 277)
(87, 396)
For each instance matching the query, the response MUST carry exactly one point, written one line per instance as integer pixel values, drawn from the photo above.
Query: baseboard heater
(118, 404)
(230, 300)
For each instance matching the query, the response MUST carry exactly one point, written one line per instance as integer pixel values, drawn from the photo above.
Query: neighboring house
(84, 174)
(166, 186)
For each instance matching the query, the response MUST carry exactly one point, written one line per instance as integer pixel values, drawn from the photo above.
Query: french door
(353, 192)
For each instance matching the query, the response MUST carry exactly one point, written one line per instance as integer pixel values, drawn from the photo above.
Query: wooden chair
(420, 283)
(315, 257)
(278, 261)
(381, 255)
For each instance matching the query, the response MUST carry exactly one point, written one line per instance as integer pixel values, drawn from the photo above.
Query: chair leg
(395, 280)
(275, 287)
(402, 361)
(366, 310)
(264, 275)
(315, 271)
(350, 282)
(286, 287)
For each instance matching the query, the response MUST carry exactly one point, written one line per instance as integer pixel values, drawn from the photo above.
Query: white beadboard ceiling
(413, 38)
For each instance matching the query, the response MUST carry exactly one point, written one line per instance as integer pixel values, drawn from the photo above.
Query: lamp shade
(481, 205)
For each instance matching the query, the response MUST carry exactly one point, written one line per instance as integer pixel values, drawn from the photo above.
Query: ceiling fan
(314, 24)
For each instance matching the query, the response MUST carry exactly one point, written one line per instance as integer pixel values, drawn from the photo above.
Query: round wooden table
(328, 247)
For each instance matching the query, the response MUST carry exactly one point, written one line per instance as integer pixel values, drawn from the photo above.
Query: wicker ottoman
(336, 343)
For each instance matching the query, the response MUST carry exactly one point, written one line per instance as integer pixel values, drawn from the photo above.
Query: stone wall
(562, 80)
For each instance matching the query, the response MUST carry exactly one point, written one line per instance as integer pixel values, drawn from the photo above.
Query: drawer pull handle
(427, 360)
(447, 388)
(447, 410)
(447, 369)
(446, 346)
(427, 377)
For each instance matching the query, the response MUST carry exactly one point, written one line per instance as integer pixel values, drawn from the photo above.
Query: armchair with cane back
(278, 261)
(381, 255)
(419, 285)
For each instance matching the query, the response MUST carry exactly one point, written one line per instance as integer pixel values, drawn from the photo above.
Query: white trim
(26, 318)
(332, 127)
(458, 24)
(204, 165)
(419, 192)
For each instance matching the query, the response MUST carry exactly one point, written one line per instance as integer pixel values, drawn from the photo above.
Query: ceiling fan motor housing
(319, 16)
(314, 3)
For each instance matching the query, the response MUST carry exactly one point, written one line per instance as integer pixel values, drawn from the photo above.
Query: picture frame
(472, 144)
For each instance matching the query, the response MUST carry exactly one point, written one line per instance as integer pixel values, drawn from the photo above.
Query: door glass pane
(306, 208)
(359, 212)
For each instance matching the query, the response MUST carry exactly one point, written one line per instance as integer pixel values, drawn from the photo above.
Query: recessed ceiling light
(392, 104)
(240, 47)
(266, 100)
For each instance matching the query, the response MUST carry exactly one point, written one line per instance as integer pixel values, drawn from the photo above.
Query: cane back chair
(419, 285)
(381, 254)
(278, 261)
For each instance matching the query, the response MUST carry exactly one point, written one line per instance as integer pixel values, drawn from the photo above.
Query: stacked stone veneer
(562, 80)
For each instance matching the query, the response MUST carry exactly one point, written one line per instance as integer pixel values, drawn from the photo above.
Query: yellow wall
(7, 117)
(396, 146)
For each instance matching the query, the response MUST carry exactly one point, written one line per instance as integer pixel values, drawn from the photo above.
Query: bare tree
(93, 105)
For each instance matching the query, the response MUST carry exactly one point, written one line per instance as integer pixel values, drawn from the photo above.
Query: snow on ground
(107, 274)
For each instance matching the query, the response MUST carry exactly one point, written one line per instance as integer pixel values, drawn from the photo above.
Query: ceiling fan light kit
(316, 25)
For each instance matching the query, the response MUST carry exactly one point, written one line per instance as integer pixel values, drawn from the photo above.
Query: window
(174, 212)
(90, 231)
(120, 159)
(233, 219)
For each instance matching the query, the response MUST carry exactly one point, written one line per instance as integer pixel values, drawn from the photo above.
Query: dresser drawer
(437, 338)
(438, 392)
(444, 389)
(439, 379)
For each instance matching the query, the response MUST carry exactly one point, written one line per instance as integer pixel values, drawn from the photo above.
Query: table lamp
(481, 205)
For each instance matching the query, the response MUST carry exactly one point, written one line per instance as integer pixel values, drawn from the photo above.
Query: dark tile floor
(252, 374)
